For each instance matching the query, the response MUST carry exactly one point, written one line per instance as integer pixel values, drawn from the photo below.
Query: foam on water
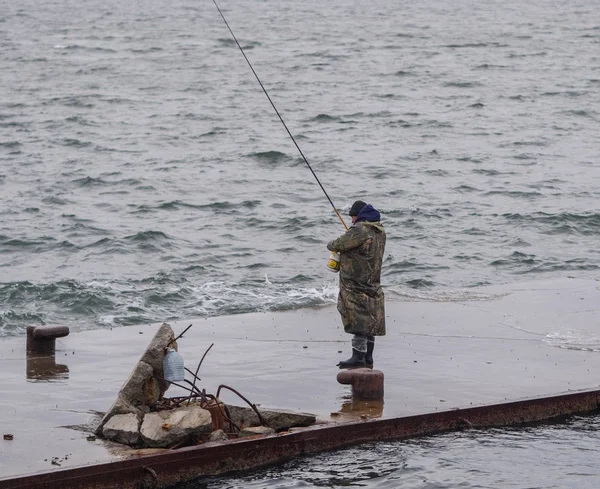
(112, 304)
(574, 340)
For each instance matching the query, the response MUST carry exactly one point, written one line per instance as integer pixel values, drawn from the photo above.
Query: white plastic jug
(173, 370)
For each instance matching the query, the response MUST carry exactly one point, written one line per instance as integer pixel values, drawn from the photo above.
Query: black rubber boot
(369, 354)
(357, 360)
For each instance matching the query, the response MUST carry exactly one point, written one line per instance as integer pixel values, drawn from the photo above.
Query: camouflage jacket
(361, 301)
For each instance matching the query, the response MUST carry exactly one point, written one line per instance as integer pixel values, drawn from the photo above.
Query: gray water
(562, 456)
(145, 177)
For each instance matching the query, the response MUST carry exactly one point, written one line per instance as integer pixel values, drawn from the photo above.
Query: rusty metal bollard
(366, 383)
(42, 339)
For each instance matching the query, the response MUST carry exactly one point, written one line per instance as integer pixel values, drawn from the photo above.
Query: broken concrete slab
(218, 435)
(279, 420)
(167, 428)
(144, 385)
(123, 428)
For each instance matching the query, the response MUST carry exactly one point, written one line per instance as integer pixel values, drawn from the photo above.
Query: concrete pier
(504, 344)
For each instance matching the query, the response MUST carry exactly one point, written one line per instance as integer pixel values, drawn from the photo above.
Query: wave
(64, 301)
(271, 157)
(82, 121)
(399, 123)
(517, 194)
(89, 182)
(573, 340)
(10, 144)
(437, 173)
(522, 263)
(487, 66)
(98, 304)
(24, 243)
(419, 283)
(567, 93)
(476, 45)
(581, 113)
(148, 236)
(457, 84)
(73, 47)
(528, 55)
(443, 295)
(72, 101)
(227, 41)
(562, 223)
(408, 266)
(152, 49)
(465, 189)
(219, 207)
(325, 118)
(76, 143)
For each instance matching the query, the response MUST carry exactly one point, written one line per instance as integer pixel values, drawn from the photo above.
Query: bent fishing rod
(279, 115)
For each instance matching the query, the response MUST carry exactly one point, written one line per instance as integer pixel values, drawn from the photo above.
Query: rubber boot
(369, 354)
(357, 360)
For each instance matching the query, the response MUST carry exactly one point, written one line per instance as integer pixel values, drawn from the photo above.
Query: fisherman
(361, 301)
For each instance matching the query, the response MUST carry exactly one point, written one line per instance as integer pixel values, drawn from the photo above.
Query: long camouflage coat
(361, 301)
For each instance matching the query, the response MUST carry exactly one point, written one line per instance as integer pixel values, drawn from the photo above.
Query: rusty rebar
(260, 418)
(201, 360)
(178, 385)
(180, 335)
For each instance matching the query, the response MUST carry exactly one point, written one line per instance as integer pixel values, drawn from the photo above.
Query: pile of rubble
(142, 417)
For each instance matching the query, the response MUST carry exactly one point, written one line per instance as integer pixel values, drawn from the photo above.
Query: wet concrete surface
(504, 344)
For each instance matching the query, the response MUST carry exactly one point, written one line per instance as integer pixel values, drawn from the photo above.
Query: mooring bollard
(42, 339)
(366, 383)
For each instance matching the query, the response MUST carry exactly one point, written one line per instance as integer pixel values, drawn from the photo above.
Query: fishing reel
(334, 262)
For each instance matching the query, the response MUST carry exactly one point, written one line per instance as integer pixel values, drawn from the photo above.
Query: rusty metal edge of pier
(167, 469)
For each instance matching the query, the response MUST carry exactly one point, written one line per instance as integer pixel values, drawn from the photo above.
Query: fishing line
(279, 115)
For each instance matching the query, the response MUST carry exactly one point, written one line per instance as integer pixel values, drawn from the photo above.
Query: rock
(279, 420)
(144, 385)
(218, 435)
(255, 430)
(161, 339)
(123, 428)
(167, 428)
(120, 406)
(141, 388)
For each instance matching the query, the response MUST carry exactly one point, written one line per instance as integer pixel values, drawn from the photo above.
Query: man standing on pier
(361, 301)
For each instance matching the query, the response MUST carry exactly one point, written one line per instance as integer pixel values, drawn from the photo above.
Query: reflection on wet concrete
(357, 409)
(44, 367)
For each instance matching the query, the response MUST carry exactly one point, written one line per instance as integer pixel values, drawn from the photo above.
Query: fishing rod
(279, 115)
